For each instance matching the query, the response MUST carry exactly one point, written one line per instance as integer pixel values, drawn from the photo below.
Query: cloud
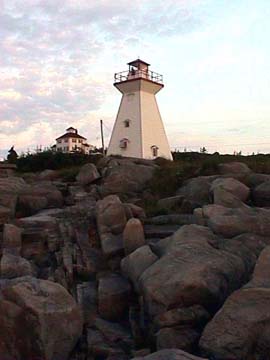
(58, 58)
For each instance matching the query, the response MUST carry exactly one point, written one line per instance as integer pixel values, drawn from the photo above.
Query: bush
(53, 160)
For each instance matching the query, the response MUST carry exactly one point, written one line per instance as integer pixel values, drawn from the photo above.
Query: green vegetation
(171, 175)
(53, 160)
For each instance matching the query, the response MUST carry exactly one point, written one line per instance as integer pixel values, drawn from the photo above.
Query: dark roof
(70, 128)
(135, 62)
(71, 135)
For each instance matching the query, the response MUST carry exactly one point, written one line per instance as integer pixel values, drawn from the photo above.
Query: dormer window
(154, 149)
(124, 143)
(126, 123)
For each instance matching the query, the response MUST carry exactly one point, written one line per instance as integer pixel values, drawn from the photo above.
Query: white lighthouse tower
(138, 130)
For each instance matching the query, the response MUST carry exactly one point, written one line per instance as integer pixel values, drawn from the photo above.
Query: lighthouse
(138, 129)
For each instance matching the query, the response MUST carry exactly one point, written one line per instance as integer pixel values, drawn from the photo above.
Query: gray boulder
(87, 174)
(191, 271)
(235, 167)
(39, 319)
(261, 194)
(232, 186)
(136, 263)
(241, 330)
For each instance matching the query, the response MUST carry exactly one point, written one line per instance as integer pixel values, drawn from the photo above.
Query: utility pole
(102, 138)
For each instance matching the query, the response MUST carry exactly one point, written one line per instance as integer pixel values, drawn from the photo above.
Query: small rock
(133, 235)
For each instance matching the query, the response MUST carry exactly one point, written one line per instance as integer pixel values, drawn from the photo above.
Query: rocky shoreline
(85, 274)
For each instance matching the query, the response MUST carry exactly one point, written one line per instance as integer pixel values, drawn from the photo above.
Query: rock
(192, 271)
(89, 260)
(137, 262)
(253, 180)
(12, 266)
(183, 338)
(124, 176)
(29, 205)
(12, 239)
(113, 297)
(12, 185)
(87, 174)
(133, 235)
(170, 354)
(232, 222)
(111, 221)
(194, 315)
(5, 215)
(197, 190)
(48, 174)
(111, 216)
(232, 186)
(234, 167)
(39, 319)
(261, 194)
(174, 219)
(171, 203)
(241, 330)
(109, 340)
(87, 299)
(135, 211)
(9, 200)
(112, 245)
(225, 198)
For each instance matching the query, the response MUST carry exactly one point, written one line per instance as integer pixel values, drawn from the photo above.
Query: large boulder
(192, 271)
(234, 168)
(232, 222)
(87, 174)
(133, 235)
(197, 190)
(232, 186)
(241, 329)
(261, 194)
(170, 354)
(39, 320)
(126, 176)
(12, 266)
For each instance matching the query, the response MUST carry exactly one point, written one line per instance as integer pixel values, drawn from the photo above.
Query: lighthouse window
(154, 149)
(123, 143)
(127, 123)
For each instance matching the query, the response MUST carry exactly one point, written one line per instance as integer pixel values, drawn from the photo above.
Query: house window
(80, 141)
(59, 141)
(123, 143)
(126, 123)
(66, 140)
(154, 149)
(74, 140)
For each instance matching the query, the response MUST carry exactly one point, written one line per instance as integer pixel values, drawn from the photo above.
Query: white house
(138, 130)
(72, 142)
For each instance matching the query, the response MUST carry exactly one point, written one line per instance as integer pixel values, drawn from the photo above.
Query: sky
(58, 59)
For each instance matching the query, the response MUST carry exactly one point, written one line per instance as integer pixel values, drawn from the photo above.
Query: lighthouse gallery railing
(137, 74)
